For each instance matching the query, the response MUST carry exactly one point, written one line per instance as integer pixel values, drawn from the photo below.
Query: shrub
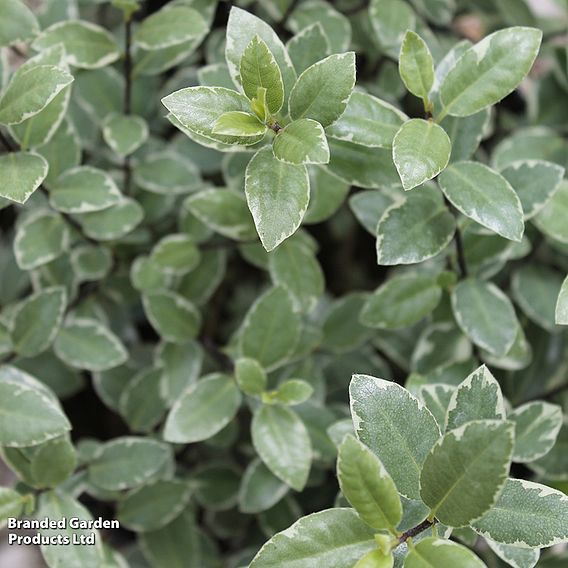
(189, 288)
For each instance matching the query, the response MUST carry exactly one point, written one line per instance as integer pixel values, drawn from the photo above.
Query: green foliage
(284, 283)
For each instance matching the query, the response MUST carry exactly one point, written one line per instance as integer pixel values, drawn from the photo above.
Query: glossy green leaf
(87, 45)
(437, 398)
(128, 462)
(335, 538)
(242, 27)
(176, 254)
(368, 121)
(199, 108)
(295, 267)
(277, 195)
(225, 211)
(553, 464)
(485, 314)
(167, 173)
(292, 392)
(395, 426)
(40, 238)
(37, 320)
(177, 544)
(322, 91)
(376, 559)
(83, 190)
(528, 515)
(336, 26)
(114, 222)
(390, 19)
(551, 219)
(153, 506)
(490, 70)
(180, 366)
(11, 504)
(366, 484)
(441, 553)
(513, 555)
(258, 69)
(535, 182)
(421, 150)
(170, 26)
(478, 454)
(282, 442)
(467, 133)
(537, 425)
(17, 23)
(271, 329)
(22, 173)
(30, 91)
(204, 409)
(368, 207)
(53, 462)
(484, 196)
(308, 46)
(172, 316)
(401, 301)
(27, 416)
(536, 289)
(561, 311)
(414, 229)
(88, 344)
(301, 142)
(479, 397)
(250, 376)
(416, 66)
(36, 131)
(260, 489)
(57, 505)
(238, 123)
(124, 133)
(140, 403)
(362, 166)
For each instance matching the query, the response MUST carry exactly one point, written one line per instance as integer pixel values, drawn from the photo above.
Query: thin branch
(356, 9)
(462, 263)
(9, 358)
(414, 531)
(127, 104)
(547, 395)
(460, 253)
(7, 143)
(217, 355)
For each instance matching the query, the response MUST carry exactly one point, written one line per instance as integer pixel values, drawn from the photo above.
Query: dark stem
(356, 9)
(288, 13)
(547, 395)
(460, 253)
(459, 242)
(217, 355)
(410, 533)
(17, 51)
(127, 66)
(9, 358)
(127, 107)
(7, 142)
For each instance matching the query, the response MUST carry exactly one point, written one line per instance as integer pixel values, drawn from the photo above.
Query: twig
(462, 263)
(356, 9)
(547, 395)
(414, 531)
(460, 253)
(127, 105)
